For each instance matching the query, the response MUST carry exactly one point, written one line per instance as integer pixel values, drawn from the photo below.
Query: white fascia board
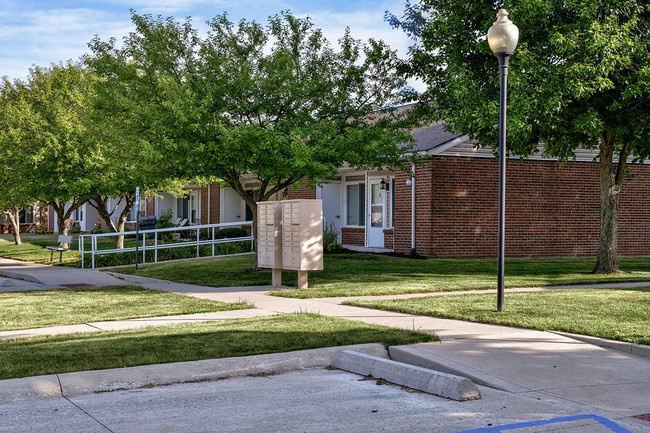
(439, 149)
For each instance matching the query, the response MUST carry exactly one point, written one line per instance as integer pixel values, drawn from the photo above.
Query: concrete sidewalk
(546, 366)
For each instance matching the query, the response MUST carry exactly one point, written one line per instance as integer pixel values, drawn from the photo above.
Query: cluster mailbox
(290, 236)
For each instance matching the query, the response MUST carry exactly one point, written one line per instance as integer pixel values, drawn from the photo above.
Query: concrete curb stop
(414, 355)
(430, 381)
(118, 379)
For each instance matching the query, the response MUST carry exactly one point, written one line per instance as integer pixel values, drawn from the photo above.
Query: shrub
(331, 238)
(334, 248)
(97, 229)
(165, 220)
(231, 232)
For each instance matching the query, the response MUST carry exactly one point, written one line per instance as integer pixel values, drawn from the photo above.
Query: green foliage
(580, 70)
(330, 239)
(276, 103)
(97, 229)
(579, 78)
(165, 220)
(231, 232)
(334, 248)
(128, 258)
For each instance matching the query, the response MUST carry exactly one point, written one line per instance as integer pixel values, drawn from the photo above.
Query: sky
(42, 32)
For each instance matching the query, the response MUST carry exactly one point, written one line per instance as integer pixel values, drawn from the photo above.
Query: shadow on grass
(188, 342)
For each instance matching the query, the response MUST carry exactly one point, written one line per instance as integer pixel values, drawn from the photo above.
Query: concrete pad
(422, 379)
(85, 382)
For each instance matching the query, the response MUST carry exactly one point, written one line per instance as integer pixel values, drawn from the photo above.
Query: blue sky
(42, 32)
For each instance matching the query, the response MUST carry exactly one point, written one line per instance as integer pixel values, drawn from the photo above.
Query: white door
(331, 195)
(231, 206)
(375, 222)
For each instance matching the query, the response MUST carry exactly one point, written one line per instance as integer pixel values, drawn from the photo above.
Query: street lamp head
(503, 35)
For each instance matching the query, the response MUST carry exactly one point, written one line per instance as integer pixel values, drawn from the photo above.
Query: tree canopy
(579, 78)
(274, 103)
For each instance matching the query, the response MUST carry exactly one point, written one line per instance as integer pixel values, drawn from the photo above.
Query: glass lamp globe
(503, 35)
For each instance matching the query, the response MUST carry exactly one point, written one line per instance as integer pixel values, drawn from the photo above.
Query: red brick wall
(388, 239)
(551, 210)
(424, 219)
(353, 236)
(213, 190)
(303, 191)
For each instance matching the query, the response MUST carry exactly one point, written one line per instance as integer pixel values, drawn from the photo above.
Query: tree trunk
(101, 204)
(63, 216)
(14, 218)
(611, 180)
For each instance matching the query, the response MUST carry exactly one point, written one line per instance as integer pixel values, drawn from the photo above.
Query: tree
(59, 157)
(14, 195)
(580, 78)
(276, 103)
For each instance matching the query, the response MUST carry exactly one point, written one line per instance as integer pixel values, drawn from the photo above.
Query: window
(182, 208)
(78, 214)
(26, 215)
(356, 204)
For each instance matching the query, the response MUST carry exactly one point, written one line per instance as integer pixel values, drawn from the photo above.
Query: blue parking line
(498, 429)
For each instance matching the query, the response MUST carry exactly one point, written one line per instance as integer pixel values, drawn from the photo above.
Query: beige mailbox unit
(290, 236)
(269, 232)
(302, 237)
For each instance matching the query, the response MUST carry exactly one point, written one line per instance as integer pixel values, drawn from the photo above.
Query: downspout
(413, 211)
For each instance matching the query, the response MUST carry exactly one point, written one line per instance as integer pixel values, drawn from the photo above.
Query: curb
(622, 346)
(119, 379)
(20, 276)
(430, 381)
(413, 355)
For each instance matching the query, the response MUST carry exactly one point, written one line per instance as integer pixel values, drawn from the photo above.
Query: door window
(376, 205)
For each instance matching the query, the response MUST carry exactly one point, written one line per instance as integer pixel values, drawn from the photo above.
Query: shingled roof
(430, 137)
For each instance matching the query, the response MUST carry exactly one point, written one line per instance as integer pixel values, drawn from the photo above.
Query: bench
(62, 240)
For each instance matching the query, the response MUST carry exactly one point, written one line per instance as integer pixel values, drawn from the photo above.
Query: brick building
(450, 208)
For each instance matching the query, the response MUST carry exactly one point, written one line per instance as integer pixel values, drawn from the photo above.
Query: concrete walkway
(547, 366)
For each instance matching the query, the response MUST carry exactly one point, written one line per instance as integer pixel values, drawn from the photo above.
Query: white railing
(155, 246)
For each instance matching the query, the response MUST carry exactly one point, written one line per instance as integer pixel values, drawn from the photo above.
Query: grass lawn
(41, 308)
(189, 342)
(370, 274)
(617, 314)
(33, 249)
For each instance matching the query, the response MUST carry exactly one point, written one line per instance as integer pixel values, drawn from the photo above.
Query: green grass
(34, 249)
(41, 308)
(189, 342)
(371, 274)
(617, 314)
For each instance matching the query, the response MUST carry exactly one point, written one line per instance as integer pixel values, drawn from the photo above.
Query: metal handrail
(95, 251)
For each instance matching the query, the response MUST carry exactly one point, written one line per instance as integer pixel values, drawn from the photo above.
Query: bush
(231, 232)
(165, 220)
(331, 238)
(128, 258)
(334, 248)
(97, 229)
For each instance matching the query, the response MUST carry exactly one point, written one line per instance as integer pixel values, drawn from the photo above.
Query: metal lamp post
(502, 37)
